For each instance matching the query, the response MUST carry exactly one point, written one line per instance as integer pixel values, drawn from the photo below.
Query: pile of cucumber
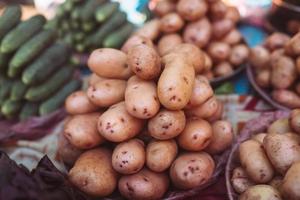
(89, 24)
(35, 74)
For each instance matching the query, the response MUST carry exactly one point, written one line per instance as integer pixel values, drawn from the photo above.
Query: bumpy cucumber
(9, 19)
(104, 12)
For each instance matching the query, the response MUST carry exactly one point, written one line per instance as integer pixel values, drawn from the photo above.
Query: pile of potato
(270, 162)
(210, 25)
(143, 120)
(276, 64)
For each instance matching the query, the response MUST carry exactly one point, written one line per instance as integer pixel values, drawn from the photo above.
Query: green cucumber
(75, 24)
(117, 38)
(6, 85)
(65, 26)
(89, 8)
(22, 33)
(52, 24)
(29, 51)
(68, 5)
(9, 19)
(68, 39)
(42, 67)
(10, 108)
(104, 12)
(80, 48)
(43, 91)
(75, 14)
(28, 110)
(79, 36)
(88, 26)
(4, 60)
(18, 91)
(57, 100)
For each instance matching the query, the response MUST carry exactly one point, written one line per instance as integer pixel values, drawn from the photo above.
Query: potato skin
(223, 69)
(164, 7)
(239, 54)
(160, 154)
(79, 103)
(129, 157)
(292, 47)
(218, 10)
(283, 73)
(94, 78)
(107, 92)
(141, 98)
(205, 110)
(168, 42)
(259, 57)
(191, 170)
(262, 192)
(287, 98)
(259, 137)
(109, 63)
(280, 126)
(208, 63)
(191, 10)
(276, 40)
(233, 14)
(218, 51)
(166, 124)
(295, 120)
(196, 135)
(145, 184)
(290, 186)
(66, 151)
(81, 131)
(240, 180)
(93, 173)
(171, 22)
(233, 37)
(150, 29)
(135, 40)
(263, 78)
(218, 114)
(260, 171)
(117, 125)
(221, 27)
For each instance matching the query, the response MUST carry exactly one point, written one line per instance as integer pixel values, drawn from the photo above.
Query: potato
(276, 182)
(219, 51)
(259, 137)
(205, 110)
(161, 154)
(298, 64)
(192, 170)
(292, 47)
(295, 120)
(79, 103)
(293, 26)
(107, 92)
(218, 10)
(282, 150)
(240, 180)
(222, 27)
(223, 69)
(275, 55)
(175, 85)
(196, 135)
(255, 161)
(66, 151)
(141, 99)
(117, 125)
(171, 23)
(145, 184)
(81, 131)
(222, 137)
(287, 98)
(239, 54)
(233, 37)
(233, 14)
(218, 114)
(166, 124)
(208, 74)
(93, 173)
(136, 40)
(192, 10)
(207, 62)
(150, 29)
(261, 192)
(168, 42)
(164, 7)
(283, 73)
(290, 186)
(276, 40)
(198, 32)
(297, 88)
(94, 78)
(129, 157)
(280, 126)
(263, 78)
(109, 63)
(202, 91)
(144, 61)
(259, 57)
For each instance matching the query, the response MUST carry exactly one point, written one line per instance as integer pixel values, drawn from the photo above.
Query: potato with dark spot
(259, 137)
(205, 110)
(280, 126)
(192, 10)
(171, 23)
(221, 27)
(232, 38)
(239, 54)
(150, 29)
(66, 151)
(240, 180)
(292, 47)
(287, 98)
(263, 78)
(290, 186)
(196, 135)
(276, 40)
(192, 170)
(94, 78)
(295, 120)
(166, 124)
(259, 57)
(164, 7)
(129, 157)
(219, 51)
(168, 42)
(261, 192)
(223, 69)
(79, 103)
(136, 40)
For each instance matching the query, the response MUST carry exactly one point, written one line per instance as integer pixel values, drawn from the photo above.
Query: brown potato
(160, 154)
(168, 42)
(129, 157)
(107, 92)
(117, 125)
(205, 110)
(219, 51)
(287, 98)
(295, 120)
(283, 73)
(276, 40)
(207, 62)
(223, 69)
(144, 61)
(298, 64)
(150, 29)
(136, 40)
(239, 54)
(93, 173)
(196, 135)
(79, 103)
(233, 37)
(208, 74)
(282, 150)
(218, 114)
(261, 192)
(164, 7)
(66, 151)
(280, 126)
(233, 14)
(276, 182)
(293, 26)
(145, 184)
(259, 57)
(222, 137)
(192, 170)
(260, 171)
(171, 23)
(141, 99)
(218, 10)
(198, 32)
(263, 78)
(222, 27)
(275, 55)
(292, 47)
(94, 78)
(290, 186)
(166, 124)
(192, 10)
(259, 137)
(240, 180)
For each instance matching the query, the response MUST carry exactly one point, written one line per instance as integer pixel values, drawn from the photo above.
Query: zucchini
(57, 100)
(104, 12)
(29, 51)
(43, 91)
(4, 59)
(9, 19)
(10, 108)
(28, 110)
(117, 38)
(41, 68)
(18, 90)
(89, 8)
(23, 32)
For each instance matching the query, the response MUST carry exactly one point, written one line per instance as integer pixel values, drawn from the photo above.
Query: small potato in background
(275, 55)
(135, 40)
(259, 57)
(192, 10)
(164, 7)
(276, 40)
(298, 65)
(219, 51)
(262, 192)
(287, 98)
(168, 42)
(263, 78)
(292, 47)
(79, 103)
(208, 74)
(223, 69)
(221, 27)
(240, 180)
(233, 37)
(239, 54)
(290, 186)
(207, 62)
(233, 14)
(171, 23)
(295, 120)
(218, 10)
(150, 29)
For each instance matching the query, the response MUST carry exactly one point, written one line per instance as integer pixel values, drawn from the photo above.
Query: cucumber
(75, 24)
(104, 12)
(88, 26)
(75, 14)
(9, 19)
(68, 5)
(89, 8)
(4, 59)
(65, 26)
(43, 91)
(80, 48)
(57, 100)
(21, 33)
(68, 39)
(29, 51)
(6, 85)
(74, 60)
(52, 24)
(96, 39)
(18, 91)
(117, 38)
(79, 36)
(41, 68)
(10, 108)
(28, 110)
